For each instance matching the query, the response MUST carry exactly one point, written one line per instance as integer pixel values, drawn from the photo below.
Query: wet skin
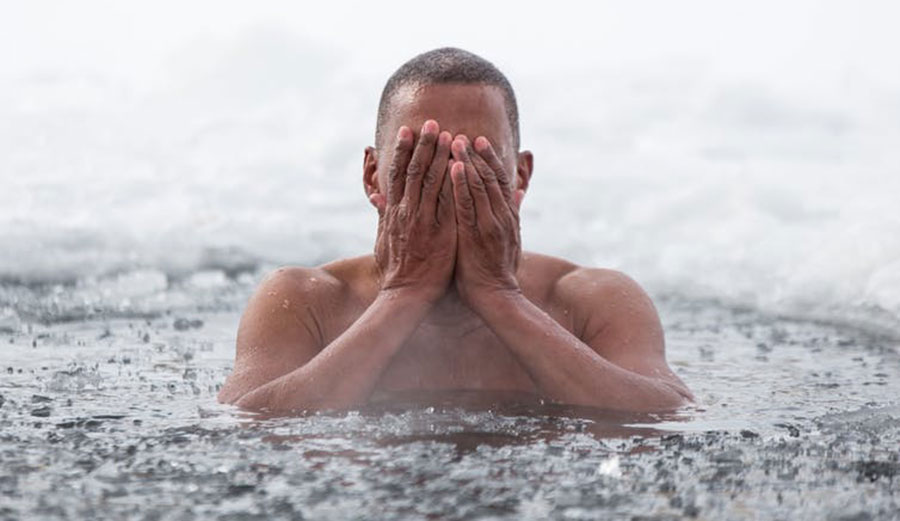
(449, 300)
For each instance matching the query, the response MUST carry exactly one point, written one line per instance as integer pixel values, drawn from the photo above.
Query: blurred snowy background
(747, 152)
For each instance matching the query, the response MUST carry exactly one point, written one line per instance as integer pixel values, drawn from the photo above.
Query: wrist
(408, 296)
(495, 300)
(400, 306)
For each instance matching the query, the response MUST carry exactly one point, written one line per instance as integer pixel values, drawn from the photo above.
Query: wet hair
(447, 65)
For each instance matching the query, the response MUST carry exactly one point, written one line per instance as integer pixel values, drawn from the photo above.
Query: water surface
(116, 417)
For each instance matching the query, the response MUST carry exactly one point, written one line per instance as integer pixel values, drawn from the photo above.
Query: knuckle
(492, 232)
(400, 147)
(485, 166)
(414, 168)
(430, 180)
(401, 155)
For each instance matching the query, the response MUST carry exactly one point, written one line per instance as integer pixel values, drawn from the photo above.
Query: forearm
(566, 369)
(345, 372)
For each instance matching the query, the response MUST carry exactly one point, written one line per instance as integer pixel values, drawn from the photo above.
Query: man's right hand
(416, 245)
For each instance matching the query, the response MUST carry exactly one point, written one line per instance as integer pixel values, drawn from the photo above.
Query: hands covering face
(447, 219)
(487, 222)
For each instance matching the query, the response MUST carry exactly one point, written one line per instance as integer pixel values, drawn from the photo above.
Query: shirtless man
(448, 300)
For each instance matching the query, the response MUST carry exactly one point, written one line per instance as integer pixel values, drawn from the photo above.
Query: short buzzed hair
(447, 65)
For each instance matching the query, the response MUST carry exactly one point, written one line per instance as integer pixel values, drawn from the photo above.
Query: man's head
(445, 66)
(464, 93)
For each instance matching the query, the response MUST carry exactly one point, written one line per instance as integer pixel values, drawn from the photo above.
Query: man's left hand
(488, 244)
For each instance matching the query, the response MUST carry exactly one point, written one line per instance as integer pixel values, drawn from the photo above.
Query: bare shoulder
(608, 306)
(334, 279)
(611, 313)
(285, 324)
(289, 291)
(592, 283)
(310, 295)
(614, 316)
(298, 280)
(568, 283)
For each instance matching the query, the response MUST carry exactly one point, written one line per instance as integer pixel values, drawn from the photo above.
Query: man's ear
(370, 179)
(524, 169)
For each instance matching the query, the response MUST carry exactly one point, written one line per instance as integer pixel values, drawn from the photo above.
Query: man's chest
(468, 357)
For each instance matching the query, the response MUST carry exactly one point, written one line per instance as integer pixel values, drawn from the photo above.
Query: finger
(465, 206)
(499, 204)
(419, 162)
(486, 151)
(477, 188)
(445, 203)
(431, 185)
(397, 170)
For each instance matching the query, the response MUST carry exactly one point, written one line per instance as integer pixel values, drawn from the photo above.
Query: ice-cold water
(116, 418)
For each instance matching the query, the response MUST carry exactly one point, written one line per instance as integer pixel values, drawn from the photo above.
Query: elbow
(673, 396)
(254, 401)
(254, 396)
(240, 389)
(650, 397)
(274, 398)
(270, 398)
(229, 394)
(685, 396)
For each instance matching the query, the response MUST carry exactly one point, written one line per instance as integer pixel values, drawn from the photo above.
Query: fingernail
(430, 127)
(444, 138)
(458, 170)
(403, 132)
(481, 143)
